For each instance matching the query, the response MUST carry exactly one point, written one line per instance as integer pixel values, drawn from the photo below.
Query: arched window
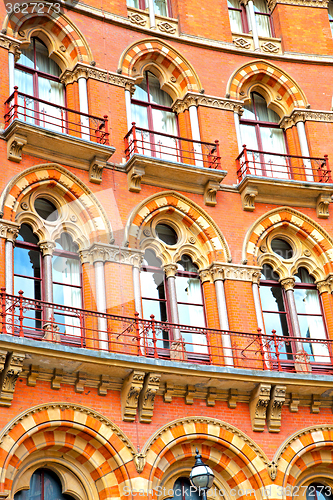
(240, 18)
(154, 119)
(37, 78)
(262, 135)
(44, 485)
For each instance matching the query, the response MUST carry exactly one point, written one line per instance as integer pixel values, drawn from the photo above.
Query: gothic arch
(66, 44)
(176, 74)
(81, 213)
(199, 236)
(312, 246)
(231, 454)
(78, 434)
(279, 89)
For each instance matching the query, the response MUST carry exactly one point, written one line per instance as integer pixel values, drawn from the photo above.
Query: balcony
(37, 126)
(92, 331)
(172, 162)
(284, 179)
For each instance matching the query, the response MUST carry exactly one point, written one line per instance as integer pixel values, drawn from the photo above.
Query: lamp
(201, 476)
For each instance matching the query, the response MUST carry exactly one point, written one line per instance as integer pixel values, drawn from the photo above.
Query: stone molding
(196, 99)
(322, 204)
(9, 230)
(11, 366)
(235, 272)
(259, 402)
(278, 396)
(298, 3)
(102, 75)
(303, 115)
(102, 252)
(147, 397)
(130, 393)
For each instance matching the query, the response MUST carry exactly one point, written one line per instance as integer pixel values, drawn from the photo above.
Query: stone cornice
(84, 71)
(197, 99)
(99, 252)
(299, 3)
(302, 115)
(235, 272)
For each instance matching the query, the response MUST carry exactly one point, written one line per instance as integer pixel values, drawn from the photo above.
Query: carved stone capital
(96, 170)
(248, 197)
(217, 271)
(102, 252)
(46, 247)
(147, 397)
(71, 76)
(130, 393)
(15, 145)
(278, 396)
(9, 375)
(170, 270)
(259, 402)
(325, 285)
(323, 202)
(9, 230)
(134, 177)
(211, 189)
(13, 46)
(205, 275)
(303, 115)
(197, 99)
(288, 283)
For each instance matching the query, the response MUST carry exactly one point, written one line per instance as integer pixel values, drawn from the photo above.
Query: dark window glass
(167, 234)
(44, 485)
(319, 491)
(46, 209)
(183, 490)
(282, 248)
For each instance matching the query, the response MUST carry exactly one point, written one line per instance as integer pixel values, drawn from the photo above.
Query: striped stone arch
(58, 32)
(68, 434)
(229, 452)
(311, 447)
(312, 235)
(207, 238)
(177, 73)
(88, 218)
(280, 90)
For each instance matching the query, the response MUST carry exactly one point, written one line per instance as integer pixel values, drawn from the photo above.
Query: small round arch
(280, 90)
(176, 74)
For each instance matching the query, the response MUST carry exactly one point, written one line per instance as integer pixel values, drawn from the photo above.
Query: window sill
(268, 45)
(140, 18)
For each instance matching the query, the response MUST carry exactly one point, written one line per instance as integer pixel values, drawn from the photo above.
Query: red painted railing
(91, 330)
(54, 117)
(171, 147)
(282, 166)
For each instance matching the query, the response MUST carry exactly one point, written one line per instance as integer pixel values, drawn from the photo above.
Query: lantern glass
(202, 477)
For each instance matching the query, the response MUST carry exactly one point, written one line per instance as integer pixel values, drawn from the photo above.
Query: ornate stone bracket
(96, 169)
(211, 396)
(147, 397)
(315, 404)
(32, 375)
(323, 202)
(190, 391)
(15, 146)
(57, 378)
(259, 402)
(248, 197)
(80, 383)
(134, 177)
(168, 392)
(130, 392)
(11, 366)
(104, 383)
(294, 402)
(278, 396)
(272, 470)
(232, 398)
(210, 193)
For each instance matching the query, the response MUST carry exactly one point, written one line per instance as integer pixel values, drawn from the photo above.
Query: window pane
(164, 121)
(249, 138)
(65, 242)
(156, 94)
(139, 115)
(24, 82)
(260, 6)
(188, 290)
(152, 285)
(66, 270)
(303, 276)
(158, 309)
(235, 21)
(191, 315)
(30, 287)
(307, 301)
(141, 91)
(263, 25)
(43, 61)
(160, 7)
(27, 57)
(27, 262)
(271, 298)
(263, 112)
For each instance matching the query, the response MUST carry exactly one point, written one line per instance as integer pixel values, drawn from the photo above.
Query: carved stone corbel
(211, 396)
(259, 401)
(323, 202)
(168, 392)
(12, 368)
(315, 404)
(294, 402)
(211, 189)
(96, 169)
(130, 392)
(278, 397)
(57, 378)
(232, 398)
(104, 383)
(32, 375)
(15, 146)
(79, 383)
(139, 461)
(272, 470)
(190, 391)
(147, 397)
(248, 197)
(134, 177)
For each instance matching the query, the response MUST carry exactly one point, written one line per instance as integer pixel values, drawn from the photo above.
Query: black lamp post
(201, 476)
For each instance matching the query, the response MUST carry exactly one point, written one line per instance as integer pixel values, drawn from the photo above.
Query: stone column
(288, 285)
(303, 142)
(83, 96)
(193, 111)
(152, 20)
(238, 132)
(252, 21)
(51, 330)
(137, 289)
(177, 347)
(217, 273)
(11, 65)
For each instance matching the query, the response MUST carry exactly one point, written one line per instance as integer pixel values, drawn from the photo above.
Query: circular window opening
(167, 234)
(282, 248)
(46, 209)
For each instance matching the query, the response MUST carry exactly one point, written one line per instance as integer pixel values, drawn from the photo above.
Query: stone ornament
(15, 146)
(323, 202)
(139, 461)
(130, 392)
(272, 470)
(166, 27)
(99, 252)
(147, 397)
(9, 230)
(96, 169)
(278, 396)
(260, 398)
(243, 43)
(270, 47)
(11, 365)
(136, 18)
(303, 3)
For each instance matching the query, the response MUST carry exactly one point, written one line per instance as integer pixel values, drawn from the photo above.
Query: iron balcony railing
(171, 147)
(56, 118)
(94, 331)
(282, 166)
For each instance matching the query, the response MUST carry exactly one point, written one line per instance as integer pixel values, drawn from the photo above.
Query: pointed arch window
(44, 485)
(37, 77)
